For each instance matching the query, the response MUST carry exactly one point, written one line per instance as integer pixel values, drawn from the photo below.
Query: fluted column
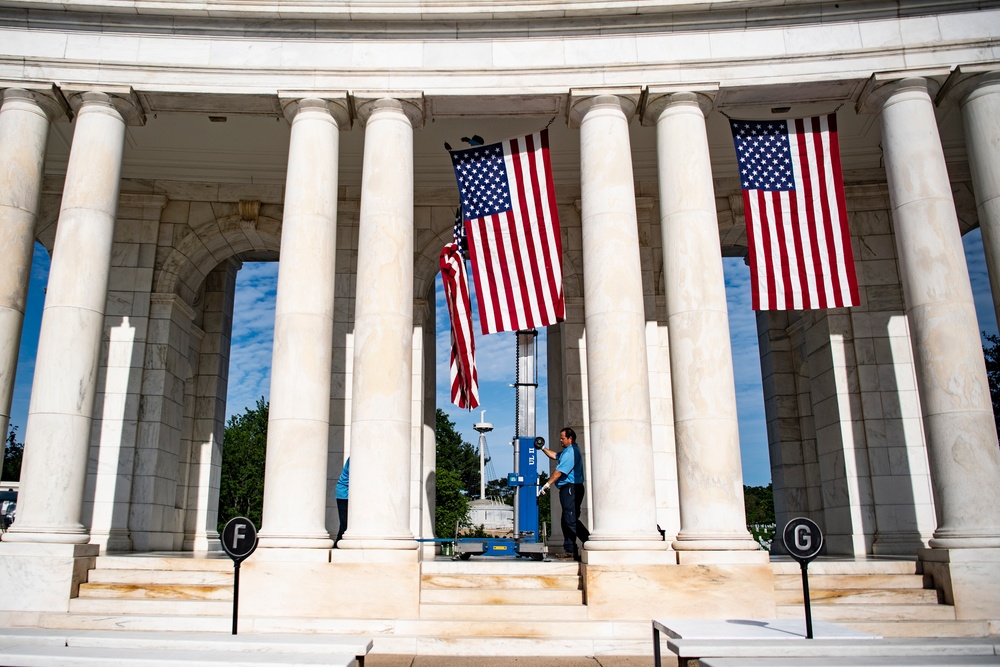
(379, 506)
(621, 450)
(57, 437)
(710, 477)
(298, 429)
(954, 394)
(24, 132)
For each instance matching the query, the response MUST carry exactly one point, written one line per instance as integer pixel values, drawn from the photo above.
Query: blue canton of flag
(764, 155)
(482, 180)
(458, 234)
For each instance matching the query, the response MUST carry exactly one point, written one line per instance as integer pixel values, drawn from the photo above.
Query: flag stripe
(797, 233)
(464, 377)
(508, 201)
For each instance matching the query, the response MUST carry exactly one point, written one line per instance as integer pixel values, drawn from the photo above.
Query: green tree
(13, 452)
(545, 504)
(451, 504)
(244, 448)
(455, 454)
(457, 477)
(497, 489)
(759, 501)
(992, 355)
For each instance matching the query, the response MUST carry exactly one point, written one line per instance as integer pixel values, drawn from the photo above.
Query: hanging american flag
(793, 200)
(509, 208)
(464, 378)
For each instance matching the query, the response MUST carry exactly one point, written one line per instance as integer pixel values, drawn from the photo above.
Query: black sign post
(803, 539)
(239, 540)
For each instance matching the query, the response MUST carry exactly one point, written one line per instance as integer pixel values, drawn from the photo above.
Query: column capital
(967, 81)
(333, 102)
(412, 104)
(882, 85)
(120, 98)
(657, 99)
(45, 96)
(583, 100)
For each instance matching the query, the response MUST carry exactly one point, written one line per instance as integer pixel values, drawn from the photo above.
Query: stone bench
(782, 643)
(76, 656)
(30, 646)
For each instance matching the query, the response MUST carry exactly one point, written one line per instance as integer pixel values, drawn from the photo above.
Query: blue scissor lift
(528, 541)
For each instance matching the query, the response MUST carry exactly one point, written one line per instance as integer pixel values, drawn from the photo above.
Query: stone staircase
(492, 606)
(882, 597)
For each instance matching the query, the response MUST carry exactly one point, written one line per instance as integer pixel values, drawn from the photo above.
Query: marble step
(871, 612)
(554, 647)
(859, 596)
(137, 591)
(467, 581)
(148, 562)
(501, 596)
(844, 581)
(855, 567)
(181, 577)
(922, 628)
(500, 566)
(506, 612)
(531, 627)
(119, 606)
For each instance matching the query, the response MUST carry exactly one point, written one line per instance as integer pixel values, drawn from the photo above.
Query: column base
(708, 557)
(28, 534)
(272, 541)
(899, 544)
(969, 579)
(43, 577)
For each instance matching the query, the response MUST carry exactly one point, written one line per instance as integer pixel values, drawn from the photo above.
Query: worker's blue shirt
(342, 483)
(570, 465)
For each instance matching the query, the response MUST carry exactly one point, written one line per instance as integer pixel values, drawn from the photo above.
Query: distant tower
(483, 427)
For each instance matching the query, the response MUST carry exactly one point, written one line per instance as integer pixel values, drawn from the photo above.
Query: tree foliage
(457, 477)
(992, 355)
(497, 489)
(13, 452)
(759, 501)
(455, 454)
(244, 448)
(451, 504)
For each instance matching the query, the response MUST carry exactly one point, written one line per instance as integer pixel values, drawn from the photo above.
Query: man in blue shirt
(569, 478)
(342, 486)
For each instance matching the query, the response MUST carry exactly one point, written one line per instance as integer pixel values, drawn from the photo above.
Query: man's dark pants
(571, 499)
(342, 514)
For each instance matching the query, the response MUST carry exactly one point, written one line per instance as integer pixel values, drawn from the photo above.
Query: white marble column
(295, 493)
(709, 473)
(621, 450)
(954, 394)
(57, 438)
(981, 117)
(24, 132)
(381, 409)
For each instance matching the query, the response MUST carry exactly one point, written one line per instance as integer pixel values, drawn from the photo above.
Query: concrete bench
(75, 656)
(224, 646)
(782, 643)
(752, 637)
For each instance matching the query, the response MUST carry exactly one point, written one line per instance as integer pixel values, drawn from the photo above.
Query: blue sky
(253, 324)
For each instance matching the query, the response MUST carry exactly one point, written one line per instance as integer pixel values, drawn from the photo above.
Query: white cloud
(253, 334)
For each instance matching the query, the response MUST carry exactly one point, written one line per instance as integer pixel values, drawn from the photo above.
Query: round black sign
(239, 538)
(803, 539)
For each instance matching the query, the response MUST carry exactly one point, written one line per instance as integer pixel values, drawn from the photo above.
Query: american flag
(509, 208)
(793, 199)
(464, 378)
